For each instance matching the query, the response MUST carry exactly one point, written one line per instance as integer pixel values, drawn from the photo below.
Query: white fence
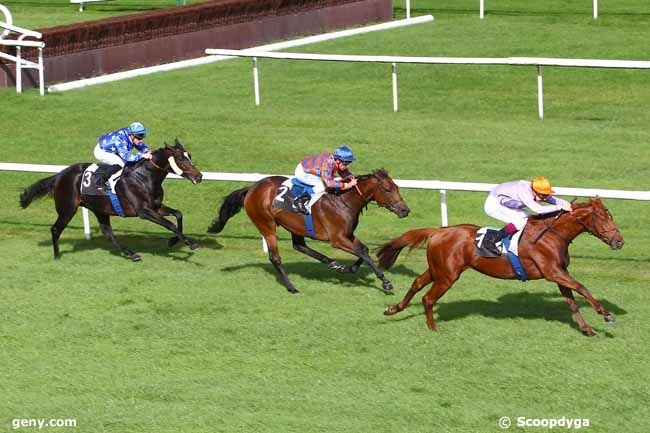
(8, 28)
(511, 61)
(211, 59)
(441, 186)
(482, 9)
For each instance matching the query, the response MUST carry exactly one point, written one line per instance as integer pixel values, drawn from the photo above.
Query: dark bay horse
(335, 217)
(450, 250)
(139, 190)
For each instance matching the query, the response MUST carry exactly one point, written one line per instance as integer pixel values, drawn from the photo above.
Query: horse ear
(177, 144)
(166, 145)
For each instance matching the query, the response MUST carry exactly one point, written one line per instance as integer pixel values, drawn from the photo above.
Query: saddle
(292, 196)
(503, 247)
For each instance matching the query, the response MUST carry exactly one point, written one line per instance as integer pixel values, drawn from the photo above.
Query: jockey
(319, 171)
(507, 201)
(114, 148)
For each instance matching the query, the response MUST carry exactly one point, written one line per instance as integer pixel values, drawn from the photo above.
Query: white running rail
(481, 12)
(511, 61)
(442, 186)
(211, 59)
(7, 28)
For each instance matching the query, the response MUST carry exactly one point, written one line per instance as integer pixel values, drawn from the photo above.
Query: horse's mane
(380, 173)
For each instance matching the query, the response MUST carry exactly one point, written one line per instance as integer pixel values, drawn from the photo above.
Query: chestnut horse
(335, 217)
(139, 189)
(543, 248)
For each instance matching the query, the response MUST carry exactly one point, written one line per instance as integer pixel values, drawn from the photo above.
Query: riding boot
(492, 237)
(301, 203)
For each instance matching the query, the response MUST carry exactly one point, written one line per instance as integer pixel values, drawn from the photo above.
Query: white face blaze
(174, 166)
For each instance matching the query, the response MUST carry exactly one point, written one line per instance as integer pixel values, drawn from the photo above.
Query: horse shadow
(155, 244)
(317, 272)
(518, 305)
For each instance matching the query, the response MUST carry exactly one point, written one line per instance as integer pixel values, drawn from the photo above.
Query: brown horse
(140, 191)
(450, 250)
(335, 217)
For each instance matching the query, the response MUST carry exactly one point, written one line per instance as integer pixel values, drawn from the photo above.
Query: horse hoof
(136, 258)
(388, 287)
(589, 333)
(195, 246)
(389, 311)
(610, 319)
(293, 290)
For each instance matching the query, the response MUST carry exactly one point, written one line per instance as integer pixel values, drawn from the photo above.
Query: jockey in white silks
(513, 202)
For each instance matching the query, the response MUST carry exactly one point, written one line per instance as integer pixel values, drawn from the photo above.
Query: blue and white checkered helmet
(344, 153)
(137, 128)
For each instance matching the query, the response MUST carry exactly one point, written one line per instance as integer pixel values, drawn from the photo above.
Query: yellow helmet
(541, 185)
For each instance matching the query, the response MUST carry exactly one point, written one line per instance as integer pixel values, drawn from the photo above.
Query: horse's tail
(231, 206)
(37, 190)
(388, 253)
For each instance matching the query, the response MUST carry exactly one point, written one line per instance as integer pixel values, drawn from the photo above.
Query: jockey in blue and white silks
(115, 148)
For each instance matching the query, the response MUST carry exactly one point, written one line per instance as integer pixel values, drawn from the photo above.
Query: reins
(548, 227)
(156, 165)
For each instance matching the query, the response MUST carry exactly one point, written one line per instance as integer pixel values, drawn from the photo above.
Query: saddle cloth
(90, 184)
(287, 193)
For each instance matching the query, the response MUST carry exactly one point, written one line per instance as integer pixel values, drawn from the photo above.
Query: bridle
(590, 228)
(173, 166)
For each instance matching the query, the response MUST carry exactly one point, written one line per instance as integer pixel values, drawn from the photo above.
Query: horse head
(386, 192)
(597, 220)
(179, 161)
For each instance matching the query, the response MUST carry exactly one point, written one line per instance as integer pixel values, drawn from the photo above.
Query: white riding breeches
(107, 157)
(314, 181)
(518, 217)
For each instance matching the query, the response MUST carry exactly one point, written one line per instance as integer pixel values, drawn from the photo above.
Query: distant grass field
(209, 340)
(37, 14)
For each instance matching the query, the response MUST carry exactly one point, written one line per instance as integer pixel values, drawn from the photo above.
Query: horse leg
(165, 211)
(274, 256)
(417, 285)
(358, 249)
(153, 216)
(562, 277)
(105, 226)
(300, 245)
(57, 228)
(575, 310)
(437, 290)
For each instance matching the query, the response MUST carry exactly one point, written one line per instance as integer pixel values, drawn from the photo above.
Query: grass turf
(209, 341)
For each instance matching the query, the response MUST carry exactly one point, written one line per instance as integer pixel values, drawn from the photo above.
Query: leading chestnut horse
(335, 217)
(450, 250)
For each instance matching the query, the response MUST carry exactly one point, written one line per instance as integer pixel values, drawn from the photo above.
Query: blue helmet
(137, 128)
(344, 153)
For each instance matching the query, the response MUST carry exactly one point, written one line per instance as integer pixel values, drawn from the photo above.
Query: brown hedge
(168, 22)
